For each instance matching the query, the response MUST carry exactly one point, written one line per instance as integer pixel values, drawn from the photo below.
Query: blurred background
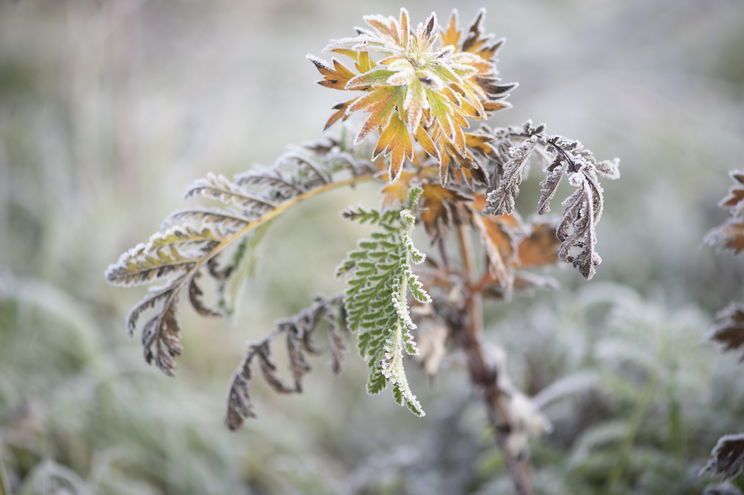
(110, 109)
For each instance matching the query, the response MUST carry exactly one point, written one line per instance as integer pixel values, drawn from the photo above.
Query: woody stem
(484, 374)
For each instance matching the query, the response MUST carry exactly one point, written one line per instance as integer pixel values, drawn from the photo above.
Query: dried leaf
(191, 240)
(438, 208)
(582, 210)
(729, 236)
(729, 329)
(297, 331)
(727, 457)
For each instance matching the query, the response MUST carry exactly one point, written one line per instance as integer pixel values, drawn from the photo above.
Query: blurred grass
(108, 110)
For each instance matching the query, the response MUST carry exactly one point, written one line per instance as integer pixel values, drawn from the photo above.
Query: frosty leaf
(336, 76)
(501, 247)
(422, 89)
(730, 235)
(582, 209)
(727, 457)
(397, 191)
(438, 208)
(190, 241)
(512, 245)
(298, 332)
(734, 201)
(376, 298)
(380, 104)
(395, 142)
(502, 200)
(729, 329)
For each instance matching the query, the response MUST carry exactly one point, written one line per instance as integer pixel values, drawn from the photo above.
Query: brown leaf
(451, 35)
(727, 458)
(729, 236)
(735, 198)
(195, 298)
(729, 329)
(438, 205)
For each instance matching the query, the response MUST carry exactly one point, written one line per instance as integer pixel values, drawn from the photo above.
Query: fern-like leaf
(581, 210)
(298, 332)
(191, 240)
(376, 298)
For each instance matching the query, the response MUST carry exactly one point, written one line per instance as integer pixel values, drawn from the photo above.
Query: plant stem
(485, 375)
(4, 482)
(630, 437)
(270, 215)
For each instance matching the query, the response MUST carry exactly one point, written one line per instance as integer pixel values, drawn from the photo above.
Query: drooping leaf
(438, 208)
(190, 241)
(728, 329)
(727, 457)
(376, 298)
(582, 210)
(730, 235)
(298, 331)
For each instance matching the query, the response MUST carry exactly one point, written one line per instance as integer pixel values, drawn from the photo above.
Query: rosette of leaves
(420, 85)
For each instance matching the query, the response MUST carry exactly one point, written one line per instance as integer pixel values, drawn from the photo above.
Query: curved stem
(278, 210)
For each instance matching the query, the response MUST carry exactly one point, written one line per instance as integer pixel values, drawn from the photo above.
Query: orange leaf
(397, 191)
(540, 248)
(335, 77)
(396, 142)
(480, 142)
(340, 113)
(451, 36)
(380, 104)
(500, 248)
(437, 201)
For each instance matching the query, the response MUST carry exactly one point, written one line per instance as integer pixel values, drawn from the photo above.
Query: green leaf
(376, 300)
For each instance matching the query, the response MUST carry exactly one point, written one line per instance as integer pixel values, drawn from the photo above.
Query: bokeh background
(110, 109)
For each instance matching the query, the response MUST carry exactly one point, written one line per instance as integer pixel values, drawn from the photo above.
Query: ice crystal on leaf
(420, 86)
(377, 297)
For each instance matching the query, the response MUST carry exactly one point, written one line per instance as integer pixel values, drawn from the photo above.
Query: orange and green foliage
(421, 89)
(420, 85)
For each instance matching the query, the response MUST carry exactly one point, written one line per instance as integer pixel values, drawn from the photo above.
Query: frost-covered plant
(421, 88)
(727, 458)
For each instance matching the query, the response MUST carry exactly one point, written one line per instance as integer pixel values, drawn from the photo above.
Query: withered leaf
(727, 457)
(728, 236)
(729, 329)
(438, 208)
